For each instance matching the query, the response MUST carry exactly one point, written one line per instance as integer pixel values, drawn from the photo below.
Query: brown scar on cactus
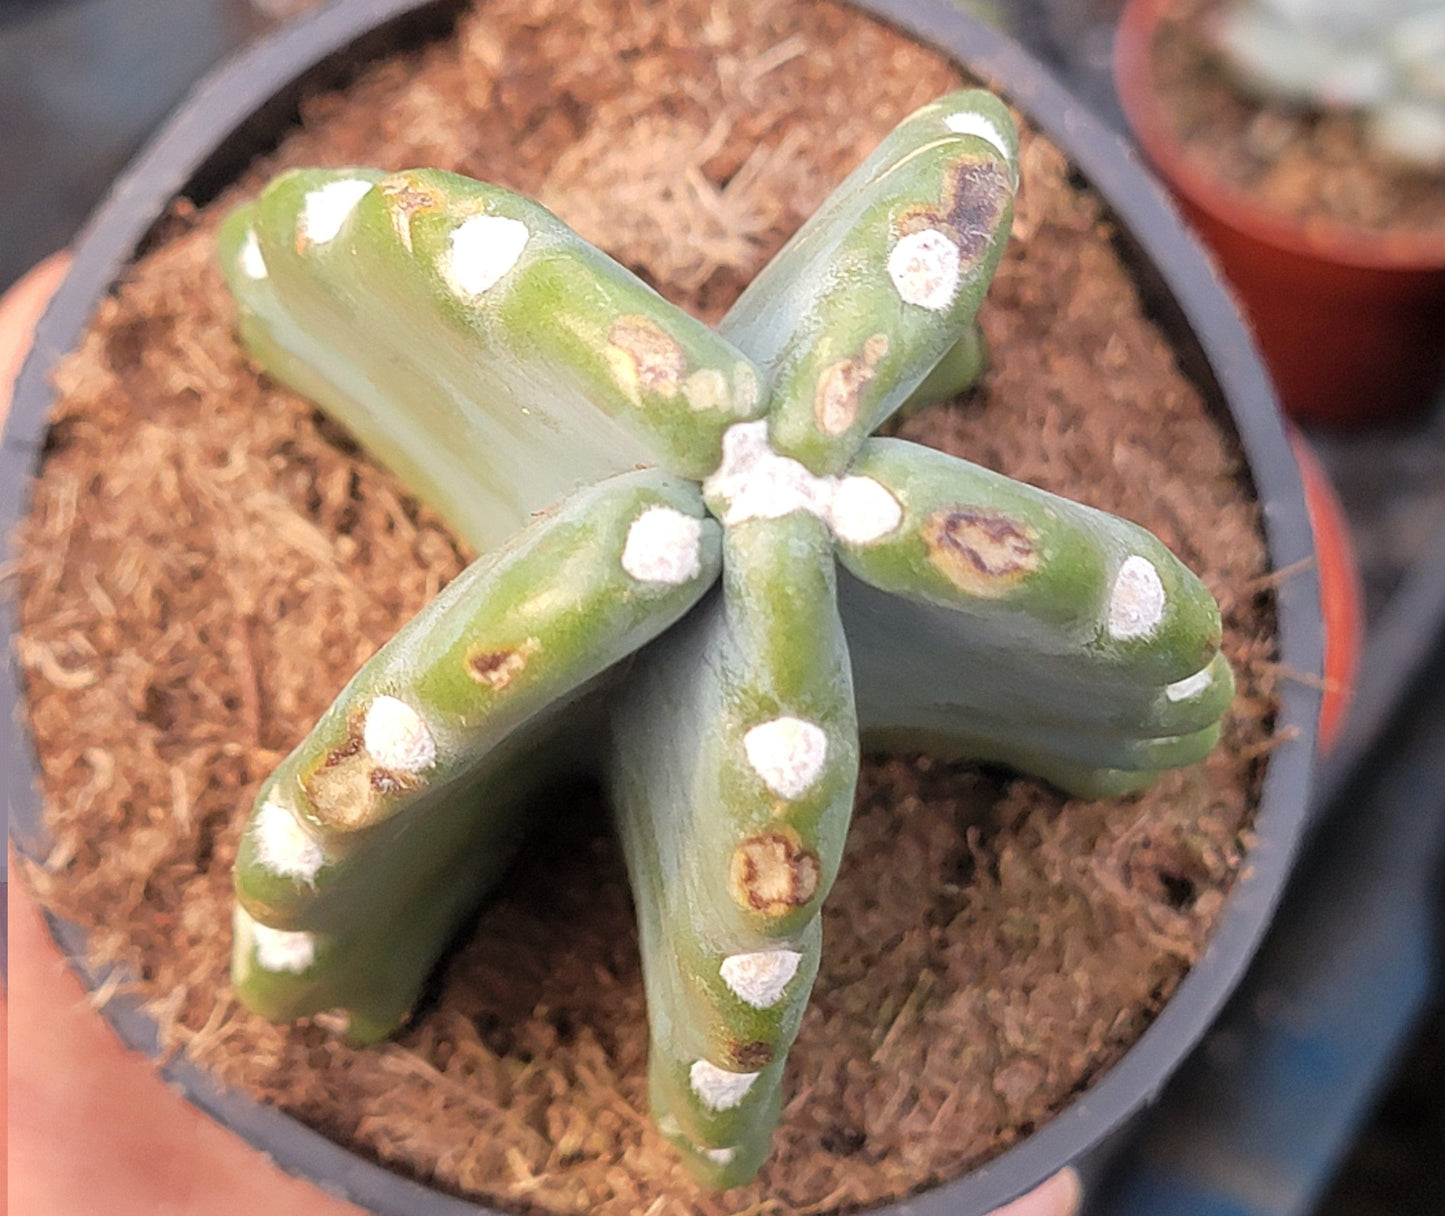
(407, 198)
(842, 383)
(646, 459)
(645, 356)
(773, 873)
(751, 1057)
(981, 552)
(978, 192)
(498, 668)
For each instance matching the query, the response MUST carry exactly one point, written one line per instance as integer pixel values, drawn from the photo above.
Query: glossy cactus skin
(865, 590)
(1384, 60)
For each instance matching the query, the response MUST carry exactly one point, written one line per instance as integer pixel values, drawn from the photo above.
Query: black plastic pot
(244, 108)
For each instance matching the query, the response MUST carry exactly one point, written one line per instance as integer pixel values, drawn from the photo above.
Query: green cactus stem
(499, 365)
(732, 770)
(533, 363)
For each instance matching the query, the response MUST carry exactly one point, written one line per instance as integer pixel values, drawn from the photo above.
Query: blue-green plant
(1384, 60)
(663, 511)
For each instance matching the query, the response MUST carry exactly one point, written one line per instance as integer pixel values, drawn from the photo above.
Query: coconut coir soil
(1308, 165)
(208, 561)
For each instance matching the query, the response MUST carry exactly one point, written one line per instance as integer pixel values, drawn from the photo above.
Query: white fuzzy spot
(276, 949)
(283, 846)
(397, 738)
(969, 122)
(253, 265)
(788, 754)
(924, 267)
(760, 977)
(756, 483)
(863, 511)
(1182, 690)
(718, 1088)
(323, 211)
(1136, 604)
(663, 546)
(720, 1155)
(483, 249)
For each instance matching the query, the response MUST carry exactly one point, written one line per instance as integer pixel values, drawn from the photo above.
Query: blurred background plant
(1384, 60)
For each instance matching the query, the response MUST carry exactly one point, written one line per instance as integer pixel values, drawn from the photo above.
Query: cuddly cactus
(663, 511)
(1384, 59)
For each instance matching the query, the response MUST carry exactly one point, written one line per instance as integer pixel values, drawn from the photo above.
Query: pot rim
(1320, 238)
(251, 98)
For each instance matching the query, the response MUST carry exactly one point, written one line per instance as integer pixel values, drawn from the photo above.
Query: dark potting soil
(208, 561)
(1307, 165)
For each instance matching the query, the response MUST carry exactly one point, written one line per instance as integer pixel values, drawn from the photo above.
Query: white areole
(970, 122)
(253, 264)
(788, 754)
(396, 737)
(760, 976)
(283, 846)
(863, 511)
(1182, 690)
(717, 1088)
(924, 267)
(324, 210)
(1136, 605)
(276, 949)
(664, 545)
(755, 482)
(482, 250)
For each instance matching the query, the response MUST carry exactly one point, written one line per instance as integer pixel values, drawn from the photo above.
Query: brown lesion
(750, 1057)
(980, 551)
(498, 667)
(773, 873)
(646, 357)
(838, 398)
(388, 781)
(405, 198)
(347, 788)
(976, 194)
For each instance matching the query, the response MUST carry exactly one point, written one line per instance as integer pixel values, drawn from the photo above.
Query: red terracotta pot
(1341, 597)
(1351, 322)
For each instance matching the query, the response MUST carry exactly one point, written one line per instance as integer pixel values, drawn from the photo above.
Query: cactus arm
(369, 944)
(732, 770)
(1059, 637)
(483, 510)
(461, 326)
(422, 758)
(959, 369)
(1073, 778)
(1033, 569)
(900, 684)
(873, 291)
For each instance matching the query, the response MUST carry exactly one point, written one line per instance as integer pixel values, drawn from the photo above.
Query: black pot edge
(1194, 305)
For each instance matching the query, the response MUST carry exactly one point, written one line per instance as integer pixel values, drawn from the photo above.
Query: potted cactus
(1307, 144)
(716, 634)
(474, 341)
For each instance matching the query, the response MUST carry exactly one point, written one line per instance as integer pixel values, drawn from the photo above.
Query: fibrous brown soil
(207, 562)
(1308, 165)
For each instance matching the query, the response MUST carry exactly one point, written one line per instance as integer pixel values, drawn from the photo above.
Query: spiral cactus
(1385, 60)
(616, 461)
